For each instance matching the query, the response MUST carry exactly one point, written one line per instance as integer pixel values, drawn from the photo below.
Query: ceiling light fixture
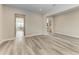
(40, 9)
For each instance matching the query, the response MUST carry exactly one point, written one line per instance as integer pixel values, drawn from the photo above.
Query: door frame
(15, 23)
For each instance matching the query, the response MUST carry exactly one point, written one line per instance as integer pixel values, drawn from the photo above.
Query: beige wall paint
(67, 24)
(33, 22)
(1, 31)
(34, 25)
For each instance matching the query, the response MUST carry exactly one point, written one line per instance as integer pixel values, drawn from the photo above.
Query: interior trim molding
(66, 35)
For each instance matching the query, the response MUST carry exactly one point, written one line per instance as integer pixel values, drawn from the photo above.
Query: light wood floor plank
(41, 45)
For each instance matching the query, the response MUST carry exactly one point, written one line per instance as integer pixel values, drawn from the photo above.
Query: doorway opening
(50, 24)
(20, 25)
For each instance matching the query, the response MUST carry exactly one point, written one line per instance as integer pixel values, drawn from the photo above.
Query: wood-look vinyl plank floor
(41, 45)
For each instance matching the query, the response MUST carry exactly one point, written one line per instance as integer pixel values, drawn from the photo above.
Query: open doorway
(20, 25)
(50, 24)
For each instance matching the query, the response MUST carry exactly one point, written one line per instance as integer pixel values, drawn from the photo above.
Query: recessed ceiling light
(40, 9)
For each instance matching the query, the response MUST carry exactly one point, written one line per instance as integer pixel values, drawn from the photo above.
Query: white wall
(33, 23)
(67, 24)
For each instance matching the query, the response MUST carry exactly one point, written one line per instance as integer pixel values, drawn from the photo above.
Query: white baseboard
(68, 35)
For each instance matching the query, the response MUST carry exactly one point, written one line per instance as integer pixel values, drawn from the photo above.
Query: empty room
(39, 29)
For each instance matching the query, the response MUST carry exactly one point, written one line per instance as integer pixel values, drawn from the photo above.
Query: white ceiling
(37, 8)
